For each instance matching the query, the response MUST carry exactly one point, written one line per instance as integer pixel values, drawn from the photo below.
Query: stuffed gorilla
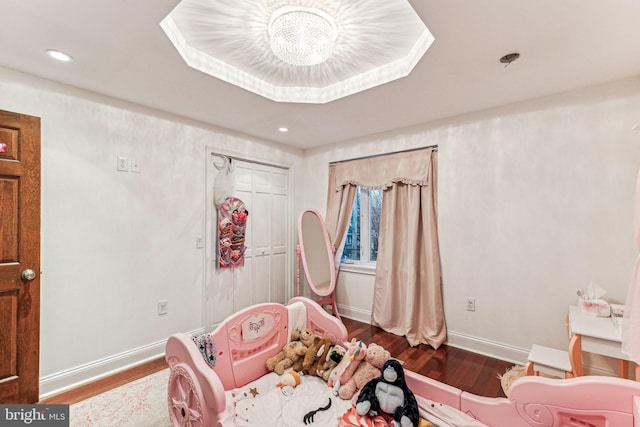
(389, 394)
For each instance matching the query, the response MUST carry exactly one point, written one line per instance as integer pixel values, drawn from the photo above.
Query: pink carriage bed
(198, 393)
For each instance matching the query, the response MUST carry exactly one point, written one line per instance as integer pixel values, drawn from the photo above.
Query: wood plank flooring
(465, 370)
(105, 384)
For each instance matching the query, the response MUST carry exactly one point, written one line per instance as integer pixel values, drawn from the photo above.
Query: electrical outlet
(163, 308)
(471, 304)
(135, 166)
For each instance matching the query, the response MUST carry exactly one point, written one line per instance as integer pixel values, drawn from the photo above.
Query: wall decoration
(232, 224)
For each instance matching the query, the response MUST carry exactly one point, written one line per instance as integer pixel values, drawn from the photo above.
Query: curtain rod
(230, 158)
(435, 147)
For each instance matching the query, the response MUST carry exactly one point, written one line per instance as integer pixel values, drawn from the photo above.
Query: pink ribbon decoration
(2, 147)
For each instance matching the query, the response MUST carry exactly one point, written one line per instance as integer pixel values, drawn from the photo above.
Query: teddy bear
(356, 351)
(305, 336)
(314, 352)
(329, 361)
(367, 369)
(389, 394)
(290, 354)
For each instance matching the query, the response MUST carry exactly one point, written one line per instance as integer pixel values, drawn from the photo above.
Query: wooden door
(19, 256)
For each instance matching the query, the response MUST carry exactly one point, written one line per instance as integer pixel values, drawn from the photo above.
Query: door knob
(28, 275)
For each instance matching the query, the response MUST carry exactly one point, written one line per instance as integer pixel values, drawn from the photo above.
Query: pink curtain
(339, 203)
(631, 320)
(408, 293)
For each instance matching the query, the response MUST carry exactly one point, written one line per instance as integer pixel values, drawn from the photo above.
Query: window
(361, 244)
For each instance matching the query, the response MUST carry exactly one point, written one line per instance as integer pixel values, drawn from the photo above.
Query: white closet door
(264, 190)
(266, 274)
(242, 292)
(279, 225)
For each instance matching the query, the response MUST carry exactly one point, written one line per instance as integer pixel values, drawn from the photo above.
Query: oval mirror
(316, 253)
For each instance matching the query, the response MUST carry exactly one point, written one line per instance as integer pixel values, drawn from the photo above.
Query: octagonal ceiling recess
(378, 41)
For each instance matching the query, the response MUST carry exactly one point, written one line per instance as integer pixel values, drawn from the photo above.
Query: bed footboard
(195, 393)
(589, 401)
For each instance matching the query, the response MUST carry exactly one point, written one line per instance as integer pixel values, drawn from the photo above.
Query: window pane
(352, 244)
(375, 208)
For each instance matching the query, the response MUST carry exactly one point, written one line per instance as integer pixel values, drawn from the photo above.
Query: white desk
(598, 335)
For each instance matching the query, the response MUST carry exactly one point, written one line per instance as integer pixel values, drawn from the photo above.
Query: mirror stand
(328, 301)
(316, 254)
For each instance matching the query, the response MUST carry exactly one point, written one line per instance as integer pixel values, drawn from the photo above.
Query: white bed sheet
(261, 403)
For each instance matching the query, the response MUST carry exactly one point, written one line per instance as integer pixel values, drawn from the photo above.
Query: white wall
(115, 243)
(535, 201)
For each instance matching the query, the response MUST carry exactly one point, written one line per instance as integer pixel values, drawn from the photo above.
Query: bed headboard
(246, 340)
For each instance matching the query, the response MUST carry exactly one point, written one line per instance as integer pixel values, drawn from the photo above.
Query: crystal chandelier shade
(253, 43)
(302, 36)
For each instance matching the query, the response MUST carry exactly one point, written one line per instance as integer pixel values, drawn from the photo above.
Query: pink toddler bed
(202, 395)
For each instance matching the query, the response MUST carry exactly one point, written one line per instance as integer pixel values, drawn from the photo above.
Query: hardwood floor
(463, 369)
(105, 384)
(467, 371)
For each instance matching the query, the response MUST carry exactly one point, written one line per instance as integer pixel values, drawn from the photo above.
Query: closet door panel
(243, 173)
(278, 277)
(262, 179)
(242, 291)
(280, 181)
(261, 224)
(261, 272)
(279, 222)
(279, 236)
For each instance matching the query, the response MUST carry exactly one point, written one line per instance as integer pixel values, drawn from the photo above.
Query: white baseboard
(494, 349)
(83, 374)
(516, 355)
(358, 314)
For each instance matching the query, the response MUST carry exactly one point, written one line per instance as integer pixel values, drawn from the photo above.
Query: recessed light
(283, 129)
(60, 56)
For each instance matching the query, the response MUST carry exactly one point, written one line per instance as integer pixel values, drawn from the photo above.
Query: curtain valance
(409, 167)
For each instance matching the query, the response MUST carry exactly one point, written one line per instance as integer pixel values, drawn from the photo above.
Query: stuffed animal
(305, 336)
(389, 394)
(291, 378)
(367, 370)
(287, 357)
(330, 361)
(314, 353)
(356, 351)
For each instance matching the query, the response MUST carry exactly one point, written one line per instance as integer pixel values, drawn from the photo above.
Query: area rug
(513, 374)
(141, 403)
(510, 376)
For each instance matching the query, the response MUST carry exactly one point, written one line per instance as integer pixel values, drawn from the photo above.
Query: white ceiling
(120, 50)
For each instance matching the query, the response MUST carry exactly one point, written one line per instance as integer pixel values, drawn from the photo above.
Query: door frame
(209, 256)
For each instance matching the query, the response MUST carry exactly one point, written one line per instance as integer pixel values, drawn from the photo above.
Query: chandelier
(302, 36)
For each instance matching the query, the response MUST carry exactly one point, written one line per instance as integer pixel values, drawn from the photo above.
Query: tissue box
(595, 307)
